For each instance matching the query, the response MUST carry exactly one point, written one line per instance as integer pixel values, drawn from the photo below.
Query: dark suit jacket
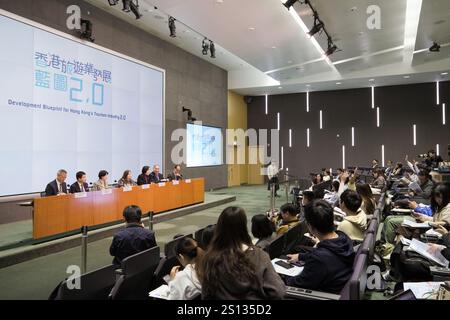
(154, 178)
(143, 179)
(75, 187)
(172, 177)
(52, 188)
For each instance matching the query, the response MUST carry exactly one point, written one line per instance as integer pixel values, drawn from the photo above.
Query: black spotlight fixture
(212, 49)
(205, 47)
(289, 3)
(332, 48)
(86, 30)
(189, 114)
(318, 26)
(435, 47)
(172, 27)
(129, 5)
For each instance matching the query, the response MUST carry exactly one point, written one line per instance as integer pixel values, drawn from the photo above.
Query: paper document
(292, 272)
(433, 233)
(413, 224)
(399, 210)
(414, 186)
(376, 191)
(161, 292)
(422, 249)
(422, 290)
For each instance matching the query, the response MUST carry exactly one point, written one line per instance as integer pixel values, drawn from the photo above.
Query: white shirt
(185, 285)
(81, 187)
(272, 171)
(59, 185)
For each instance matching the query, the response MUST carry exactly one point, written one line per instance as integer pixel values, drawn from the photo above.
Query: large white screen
(64, 104)
(203, 146)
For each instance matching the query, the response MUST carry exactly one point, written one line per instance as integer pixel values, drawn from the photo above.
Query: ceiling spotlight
(113, 2)
(172, 27)
(129, 5)
(86, 30)
(318, 26)
(332, 48)
(212, 49)
(289, 3)
(189, 114)
(205, 47)
(435, 47)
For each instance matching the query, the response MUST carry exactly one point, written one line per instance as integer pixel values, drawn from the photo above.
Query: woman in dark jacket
(233, 268)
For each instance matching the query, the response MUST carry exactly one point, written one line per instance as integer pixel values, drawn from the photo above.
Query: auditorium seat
(135, 281)
(276, 247)
(94, 285)
(373, 225)
(294, 237)
(163, 269)
(368, 245)
(356, 286)
(198, 236)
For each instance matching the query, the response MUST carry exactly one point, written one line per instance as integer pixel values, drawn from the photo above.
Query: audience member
(263, 229)
(355, 222)
(287, 218)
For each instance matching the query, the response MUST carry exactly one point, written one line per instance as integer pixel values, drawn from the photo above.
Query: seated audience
(144, 177)
(380, 180)
(184, 284)
(440, 206)
(426, 186)
(133, 239)
(355, 222)
(368, 200)
(102, 182)
(329, 266)
(326, 175)
(155, 176)
(126, 180)
(307, 197)
(57, 186)
(389, 168)
(433, 160)
(398, 170)
(332, 197)
(263, 229)
(80, 185)
(233, 268)
(176, 174)
(375, 164)
(207, 236)
(287, 218)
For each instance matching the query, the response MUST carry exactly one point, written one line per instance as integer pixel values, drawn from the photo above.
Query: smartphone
(284, 264)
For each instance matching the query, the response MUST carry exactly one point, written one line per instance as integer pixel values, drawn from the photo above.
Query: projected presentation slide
(67, 105)
(203, 146)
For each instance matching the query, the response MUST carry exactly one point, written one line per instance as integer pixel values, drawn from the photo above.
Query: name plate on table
(162, 184)
(187, 181)
(106, 191)
(127, 189)
(79, 195)
(145, 186)
(175, 183)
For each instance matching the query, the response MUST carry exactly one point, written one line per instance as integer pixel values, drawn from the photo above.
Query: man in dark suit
(81, 184)
(133, 239)
(176, 174)
(155, 176)
(57, 186)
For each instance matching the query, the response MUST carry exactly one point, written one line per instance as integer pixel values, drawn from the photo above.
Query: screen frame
(66, 36)
(222, 148)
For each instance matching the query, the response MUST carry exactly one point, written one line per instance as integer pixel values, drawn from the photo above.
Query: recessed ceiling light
(371, 80)
(290, 61)
(251, 28)
(444, 73)
(280, 87)
(219, 1)
(274, 47)
(308, 85)
(406, 77)
(338, 83)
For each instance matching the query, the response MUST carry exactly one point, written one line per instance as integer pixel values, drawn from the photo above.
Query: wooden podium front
(59, 214)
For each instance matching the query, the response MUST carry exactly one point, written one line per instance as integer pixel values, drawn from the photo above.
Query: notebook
(422, 249)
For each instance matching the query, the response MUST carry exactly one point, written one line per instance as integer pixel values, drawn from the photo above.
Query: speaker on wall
(248, 99)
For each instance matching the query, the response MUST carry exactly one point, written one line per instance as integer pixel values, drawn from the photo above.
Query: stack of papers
(433, 233)
(292, 272)
(422, 249)
(422, 290)
(414, 186)
(161, 292)
(405, 211)
(376, 191)
(412, 224)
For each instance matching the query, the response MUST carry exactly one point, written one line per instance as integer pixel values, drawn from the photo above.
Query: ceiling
(265, 49)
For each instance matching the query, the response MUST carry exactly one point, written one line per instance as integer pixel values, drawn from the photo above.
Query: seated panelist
(58, 186)
(126, 180)
(175, 174)
(102, 182)
(144, 177)
(155, 176)
(81, 184)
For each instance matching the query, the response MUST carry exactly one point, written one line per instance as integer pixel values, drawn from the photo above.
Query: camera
(423, 156)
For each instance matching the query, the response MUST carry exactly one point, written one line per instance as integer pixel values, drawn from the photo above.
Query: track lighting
(172, 27)
(332, 48)
(129, 5)
(318, 26)
(86, 30)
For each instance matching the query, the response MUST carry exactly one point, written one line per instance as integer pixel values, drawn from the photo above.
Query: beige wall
(237, 119)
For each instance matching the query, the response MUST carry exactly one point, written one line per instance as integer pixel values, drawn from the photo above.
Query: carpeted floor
(35, 279)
